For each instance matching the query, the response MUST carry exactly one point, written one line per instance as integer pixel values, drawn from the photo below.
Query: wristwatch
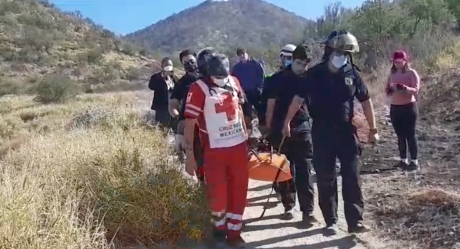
(374, 131)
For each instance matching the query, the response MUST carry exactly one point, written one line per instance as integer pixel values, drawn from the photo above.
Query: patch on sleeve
(189, 97)
(348, 81)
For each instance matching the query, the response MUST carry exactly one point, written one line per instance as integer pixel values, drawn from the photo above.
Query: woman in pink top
(402, 88)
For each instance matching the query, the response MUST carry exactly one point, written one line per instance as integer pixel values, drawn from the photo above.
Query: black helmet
(219, 66)
(342, 40)
(203, 58)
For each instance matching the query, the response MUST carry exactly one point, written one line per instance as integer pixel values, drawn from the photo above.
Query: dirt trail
(273, 232)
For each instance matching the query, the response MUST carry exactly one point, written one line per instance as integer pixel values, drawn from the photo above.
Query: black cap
(219, 66)
(202, 60)
(301, 52)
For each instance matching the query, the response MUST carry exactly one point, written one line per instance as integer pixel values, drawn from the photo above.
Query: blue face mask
(287, 63)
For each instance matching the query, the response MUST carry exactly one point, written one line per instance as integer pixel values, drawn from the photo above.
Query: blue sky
(123, 16)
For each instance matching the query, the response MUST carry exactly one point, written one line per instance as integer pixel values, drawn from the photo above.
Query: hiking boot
(219, 238)
(401, 164)
(331, 230)
(308, 220)
(412, 167)
(236, 242)
(358, 228)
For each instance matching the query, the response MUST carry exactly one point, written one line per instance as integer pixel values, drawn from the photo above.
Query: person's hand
(373, 137)
(179, 143)
(390, 90)
(287, 130)
(190, 163)
(400, 87)
(175, 113)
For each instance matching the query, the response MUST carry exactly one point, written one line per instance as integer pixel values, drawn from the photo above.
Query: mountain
(252, 24)
(36, 40)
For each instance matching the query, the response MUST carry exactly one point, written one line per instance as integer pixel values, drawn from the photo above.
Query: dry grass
(406, 215)
(102, 183)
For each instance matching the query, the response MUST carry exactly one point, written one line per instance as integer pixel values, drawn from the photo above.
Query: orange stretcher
(269, 167)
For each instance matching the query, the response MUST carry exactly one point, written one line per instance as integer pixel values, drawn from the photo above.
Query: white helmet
(287, 50)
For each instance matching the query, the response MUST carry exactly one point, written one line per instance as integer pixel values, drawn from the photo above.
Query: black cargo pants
(331, 142)
(299, 152)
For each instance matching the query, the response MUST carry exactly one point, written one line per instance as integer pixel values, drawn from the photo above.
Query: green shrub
(56, 88)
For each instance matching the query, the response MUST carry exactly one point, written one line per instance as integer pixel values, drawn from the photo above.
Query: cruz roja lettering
(230, 130)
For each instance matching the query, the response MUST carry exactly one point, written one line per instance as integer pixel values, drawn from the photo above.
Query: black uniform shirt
(283, 87)
(180, 91)
(330, 96)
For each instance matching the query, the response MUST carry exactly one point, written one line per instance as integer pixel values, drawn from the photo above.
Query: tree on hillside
(383, 25)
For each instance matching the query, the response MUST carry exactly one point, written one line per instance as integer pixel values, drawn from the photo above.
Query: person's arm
(389, 88)
(302, 90)
(193, 109)
(362, 94)
(262, 108)
(415, 83)
(153, 82)
(271, 95)
(174, 101)
(260, 73)
(245, 106)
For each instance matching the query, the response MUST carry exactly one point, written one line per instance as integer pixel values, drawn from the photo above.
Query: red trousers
(227, 186)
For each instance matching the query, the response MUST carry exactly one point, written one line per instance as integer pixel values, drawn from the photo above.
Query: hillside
(252, 24)
(36, 39)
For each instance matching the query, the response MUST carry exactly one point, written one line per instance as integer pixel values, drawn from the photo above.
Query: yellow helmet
(342, 40)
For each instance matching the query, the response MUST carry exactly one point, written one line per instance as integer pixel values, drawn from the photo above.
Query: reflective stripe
(194, 107)
(219, 223)
(194, 113)
(234, 227)
(221, 213)
(234, 216)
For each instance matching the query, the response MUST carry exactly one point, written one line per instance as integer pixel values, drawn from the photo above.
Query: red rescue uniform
(224, 142)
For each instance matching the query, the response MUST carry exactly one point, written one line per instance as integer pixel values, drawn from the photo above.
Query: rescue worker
(177, 108)
(285, 61)
(329, 91)
(213, 102)
(162, 84)
(297, 146)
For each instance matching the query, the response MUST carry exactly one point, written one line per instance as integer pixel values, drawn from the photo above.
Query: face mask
(190, 67)
(287, 63)
(221, 82)
(339, 61)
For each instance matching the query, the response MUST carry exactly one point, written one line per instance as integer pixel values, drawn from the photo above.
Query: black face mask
(191, 67)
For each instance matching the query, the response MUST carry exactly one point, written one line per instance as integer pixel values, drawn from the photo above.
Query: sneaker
(358, 228)
(401, 164)
(288, 215)
(412, 167)
(331, 230)
(308, 220)
(236, 242)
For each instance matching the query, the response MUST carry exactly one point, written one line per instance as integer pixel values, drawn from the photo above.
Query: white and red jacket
(218, 112)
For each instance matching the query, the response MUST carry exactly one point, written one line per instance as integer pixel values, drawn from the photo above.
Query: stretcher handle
(256, 154)
(279, 148)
